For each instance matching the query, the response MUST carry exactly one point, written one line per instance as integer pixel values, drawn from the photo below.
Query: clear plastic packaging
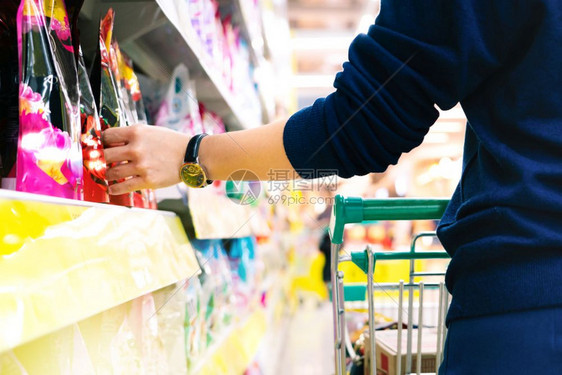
(180, 110)
(212, 123)
(194, 324)
(135, 113)
(49, 153)
(95, 184)
(106, 90)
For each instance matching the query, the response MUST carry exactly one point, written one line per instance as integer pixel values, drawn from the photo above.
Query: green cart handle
(357, 210)
(359, 258)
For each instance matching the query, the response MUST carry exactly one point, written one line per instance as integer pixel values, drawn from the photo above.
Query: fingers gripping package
(49, 159)
(106, 91)
(117, 94)
(135, 113)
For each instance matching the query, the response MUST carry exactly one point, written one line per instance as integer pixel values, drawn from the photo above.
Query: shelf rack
(157, 44)
(64, 261)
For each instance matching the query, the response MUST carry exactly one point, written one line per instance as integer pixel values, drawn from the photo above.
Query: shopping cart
(357, 210)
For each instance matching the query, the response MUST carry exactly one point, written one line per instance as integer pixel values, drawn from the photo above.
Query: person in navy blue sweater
(502, 61)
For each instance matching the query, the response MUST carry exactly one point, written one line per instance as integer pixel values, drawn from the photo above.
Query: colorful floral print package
(49, 159)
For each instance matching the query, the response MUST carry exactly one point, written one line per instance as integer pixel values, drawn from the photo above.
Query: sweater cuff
(307, 143)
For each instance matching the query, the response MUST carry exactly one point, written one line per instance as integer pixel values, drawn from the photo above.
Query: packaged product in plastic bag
(224, 287)
(105, 87)
(208, 295)
(95, 185)
(111, 342)
(118, 68)
(180, 110)
(9, 114)
(135, 112)
(196, 9)
(170, 303)
(144, 323)
(241, 256)
(49, 153)
(209, 329)
(217, 297)
(212, 123)
(9, 364)
(153, 94)
(194, 324)
(228, 50)
(61, 352)
(131, 88)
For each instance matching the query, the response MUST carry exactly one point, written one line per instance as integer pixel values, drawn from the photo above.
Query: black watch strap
(192, 149)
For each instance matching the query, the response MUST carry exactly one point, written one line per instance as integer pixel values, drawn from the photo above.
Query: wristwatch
(192, 172)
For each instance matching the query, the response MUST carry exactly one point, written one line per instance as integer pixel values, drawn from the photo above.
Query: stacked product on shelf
(183, 316)
(53, 110)
(224, 49)
(95, 184)
(68, 270)
(216, 286)
(226, 294)
(49, 159)
(113, 81)
(98, 289)
(179, 110)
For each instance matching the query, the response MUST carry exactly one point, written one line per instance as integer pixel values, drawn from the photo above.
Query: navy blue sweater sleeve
(417, 55)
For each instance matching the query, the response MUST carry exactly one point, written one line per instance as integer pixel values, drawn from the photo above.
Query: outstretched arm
(418, 54)
(154, 155)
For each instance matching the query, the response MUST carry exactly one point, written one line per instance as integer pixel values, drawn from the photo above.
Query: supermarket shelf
(159, 44)
(216, 216)
(248, 28)
(209, 214)
(254, 33)
(133, 338)
(234, 351)
(62, 261)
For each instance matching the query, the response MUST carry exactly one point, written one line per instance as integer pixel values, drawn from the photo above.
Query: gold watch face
(193, 175)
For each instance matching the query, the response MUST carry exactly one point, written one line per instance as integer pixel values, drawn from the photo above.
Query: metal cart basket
(357, 210)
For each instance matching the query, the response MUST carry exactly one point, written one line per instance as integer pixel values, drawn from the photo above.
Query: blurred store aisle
(308, 349)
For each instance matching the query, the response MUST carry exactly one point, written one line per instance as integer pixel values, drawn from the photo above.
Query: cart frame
(358, 210)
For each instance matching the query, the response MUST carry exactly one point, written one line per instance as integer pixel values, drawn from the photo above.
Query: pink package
(212, 123)
(49, 157)
(180, 110)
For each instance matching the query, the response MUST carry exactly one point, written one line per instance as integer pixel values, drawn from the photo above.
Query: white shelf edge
(22, 196)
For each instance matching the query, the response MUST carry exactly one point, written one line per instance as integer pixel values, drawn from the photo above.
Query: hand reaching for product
(152, 156)
(146, 156)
